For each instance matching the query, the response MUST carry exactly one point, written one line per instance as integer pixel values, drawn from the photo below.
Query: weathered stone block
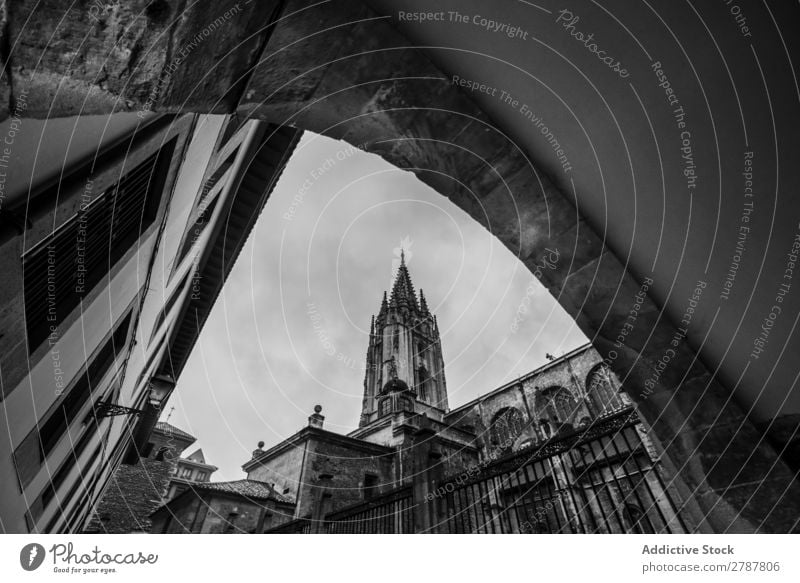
(213, 50)
(87, 59)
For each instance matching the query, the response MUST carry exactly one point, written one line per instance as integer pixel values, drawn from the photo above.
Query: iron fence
(602, 478)
(389, 514)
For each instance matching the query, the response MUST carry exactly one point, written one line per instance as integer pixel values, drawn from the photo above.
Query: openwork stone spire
(405, 355)
(423, 305)
(403, 290)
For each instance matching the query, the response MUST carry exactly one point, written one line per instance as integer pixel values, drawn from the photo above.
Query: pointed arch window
(602, 388)
(556, 404)
(506, 427)
(423, 382)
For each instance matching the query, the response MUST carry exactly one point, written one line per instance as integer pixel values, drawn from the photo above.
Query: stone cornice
(309, 433)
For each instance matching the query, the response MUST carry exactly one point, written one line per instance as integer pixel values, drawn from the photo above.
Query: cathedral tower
(405, 369)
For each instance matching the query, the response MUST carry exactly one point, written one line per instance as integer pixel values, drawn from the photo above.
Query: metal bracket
(106, 409)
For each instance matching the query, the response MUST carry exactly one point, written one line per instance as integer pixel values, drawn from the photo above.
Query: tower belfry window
(423, 376)
(396, 339)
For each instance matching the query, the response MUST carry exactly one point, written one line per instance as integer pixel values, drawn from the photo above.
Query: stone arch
(356, 78)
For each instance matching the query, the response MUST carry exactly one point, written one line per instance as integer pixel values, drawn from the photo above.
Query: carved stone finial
(316, 419)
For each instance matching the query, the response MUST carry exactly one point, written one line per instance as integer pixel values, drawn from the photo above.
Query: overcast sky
(326, 245)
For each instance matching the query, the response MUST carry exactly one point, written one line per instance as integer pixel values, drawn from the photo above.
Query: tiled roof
(168, 429)
(248, 488)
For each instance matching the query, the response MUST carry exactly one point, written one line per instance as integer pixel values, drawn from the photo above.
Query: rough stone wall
(207, 513)
(219, 519)
(456, 459)
(283, 471)
(383, 435)
(347, 468)
(138, 55)
(277, 513)
(183, 517)
(134, 492)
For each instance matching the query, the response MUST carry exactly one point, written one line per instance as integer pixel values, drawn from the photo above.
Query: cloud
(261, 365)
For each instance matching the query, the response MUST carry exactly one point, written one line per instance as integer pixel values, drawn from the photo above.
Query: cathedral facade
(559, 449)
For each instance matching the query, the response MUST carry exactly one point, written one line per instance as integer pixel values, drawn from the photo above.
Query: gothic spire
(404, 365)
(384, 307)
(403, 289)
(423, 305)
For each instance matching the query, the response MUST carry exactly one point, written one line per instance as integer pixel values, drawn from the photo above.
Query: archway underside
(338, 71)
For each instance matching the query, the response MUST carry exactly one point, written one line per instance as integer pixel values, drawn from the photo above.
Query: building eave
(198, 465)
